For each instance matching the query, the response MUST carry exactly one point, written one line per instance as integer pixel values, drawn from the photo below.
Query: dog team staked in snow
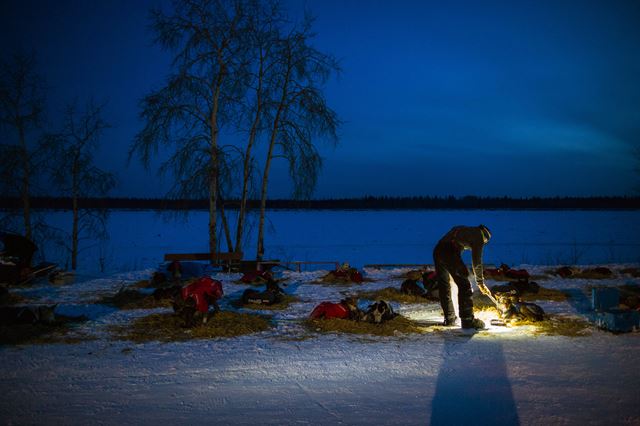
(192, 302)
(194, 299)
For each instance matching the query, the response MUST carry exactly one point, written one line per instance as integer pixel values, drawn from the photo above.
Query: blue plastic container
(605, 298)
(617, 320)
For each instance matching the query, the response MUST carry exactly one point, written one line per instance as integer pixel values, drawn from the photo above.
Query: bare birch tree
(233, 68)
(71, 152)
(299, 113)
(206, 38)
(21, 113)
(266, 23)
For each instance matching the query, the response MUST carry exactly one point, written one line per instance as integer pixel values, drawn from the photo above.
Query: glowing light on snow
(431, 315)
(487, 316)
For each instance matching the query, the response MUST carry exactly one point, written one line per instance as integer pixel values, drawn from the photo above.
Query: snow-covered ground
(499, 376)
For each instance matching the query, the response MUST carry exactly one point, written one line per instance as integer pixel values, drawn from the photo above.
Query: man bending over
(447, 257)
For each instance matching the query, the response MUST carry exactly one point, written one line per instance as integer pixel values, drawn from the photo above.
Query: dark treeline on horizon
(364, 203)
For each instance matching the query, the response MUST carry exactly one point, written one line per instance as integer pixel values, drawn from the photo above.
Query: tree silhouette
(71, 153)
(298, 114)
(21, 114)
(238, 65)
(262, 39)
(207, 39)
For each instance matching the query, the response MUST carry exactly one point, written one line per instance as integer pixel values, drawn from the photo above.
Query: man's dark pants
(448, 263)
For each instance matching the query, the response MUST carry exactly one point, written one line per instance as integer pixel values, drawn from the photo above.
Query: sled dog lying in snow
(376, 313)
(515, 309)
(379, 312)
(412, 288)
(345, 309)
(428, 290)
(272, 294)
(520, 287)
(13, 315)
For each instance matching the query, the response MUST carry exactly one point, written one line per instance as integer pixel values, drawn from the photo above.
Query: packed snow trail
(436, 379)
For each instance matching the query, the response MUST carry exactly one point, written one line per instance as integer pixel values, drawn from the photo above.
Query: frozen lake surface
(138, 239)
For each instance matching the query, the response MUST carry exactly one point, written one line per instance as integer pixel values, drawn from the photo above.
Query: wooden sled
(37, 271)
(227, 259)
(40, 270)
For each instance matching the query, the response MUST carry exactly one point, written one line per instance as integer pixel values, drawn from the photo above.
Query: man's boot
(473, 323)
(447, 309)
(450, 321)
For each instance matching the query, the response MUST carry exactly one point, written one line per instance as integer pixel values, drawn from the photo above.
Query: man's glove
(484, 289)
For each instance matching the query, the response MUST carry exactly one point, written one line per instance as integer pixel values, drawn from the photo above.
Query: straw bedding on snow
(333, 280)
(336, 283)
(392, 294)
(163, 284)
(553, 324)
(133, 299)
(392, 327)
(590, 275)
(479, 300)
(283, 304)
(546, 294)
(502, 278)
(169, 327)
(543, 293)
(560, 325)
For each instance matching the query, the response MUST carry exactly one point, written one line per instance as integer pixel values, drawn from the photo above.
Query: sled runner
(10, 276)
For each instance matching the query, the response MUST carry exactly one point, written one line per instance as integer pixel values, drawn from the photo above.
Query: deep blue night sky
(537, 98)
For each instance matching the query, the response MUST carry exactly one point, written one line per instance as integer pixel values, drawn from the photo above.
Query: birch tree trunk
(26, 173)
(247, 159)
(213, 178)
(267, 167)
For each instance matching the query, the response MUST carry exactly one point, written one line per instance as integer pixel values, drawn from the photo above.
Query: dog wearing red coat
(345, 309)
(344, 274)
(195, 299)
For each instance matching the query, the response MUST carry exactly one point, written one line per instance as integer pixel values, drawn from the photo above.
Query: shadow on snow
(473, 388)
